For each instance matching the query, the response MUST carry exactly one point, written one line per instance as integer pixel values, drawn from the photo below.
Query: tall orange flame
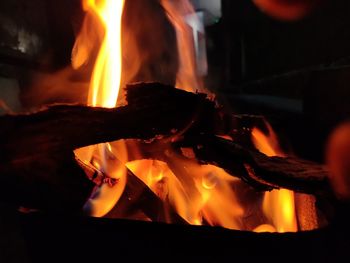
(104, 90)
(106, 77)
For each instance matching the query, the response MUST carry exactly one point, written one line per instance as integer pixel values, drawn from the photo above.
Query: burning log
(153, 109)
(39, 166)
(262, 172)
(259, 170)
(37, 163)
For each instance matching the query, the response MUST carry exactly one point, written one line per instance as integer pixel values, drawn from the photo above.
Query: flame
(105, 16)
(104, 158)
(187, 76)
(199, 194)
(278, 205)
(105, 82)
(264, 228)
(267, 144)
(104, 89)
(220, 204)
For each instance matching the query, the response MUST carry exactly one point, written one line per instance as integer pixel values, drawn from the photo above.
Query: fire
(187, 77)
(105, 16)
(105, 82)
(278, 205)
(200, 194)
(266, 144)
(104, 89)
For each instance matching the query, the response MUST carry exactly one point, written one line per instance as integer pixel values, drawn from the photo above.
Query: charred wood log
(262, 172)
(37, 148)
(153, 109)
(259, 170)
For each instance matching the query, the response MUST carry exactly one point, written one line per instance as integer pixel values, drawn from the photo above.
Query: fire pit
(148, 160)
